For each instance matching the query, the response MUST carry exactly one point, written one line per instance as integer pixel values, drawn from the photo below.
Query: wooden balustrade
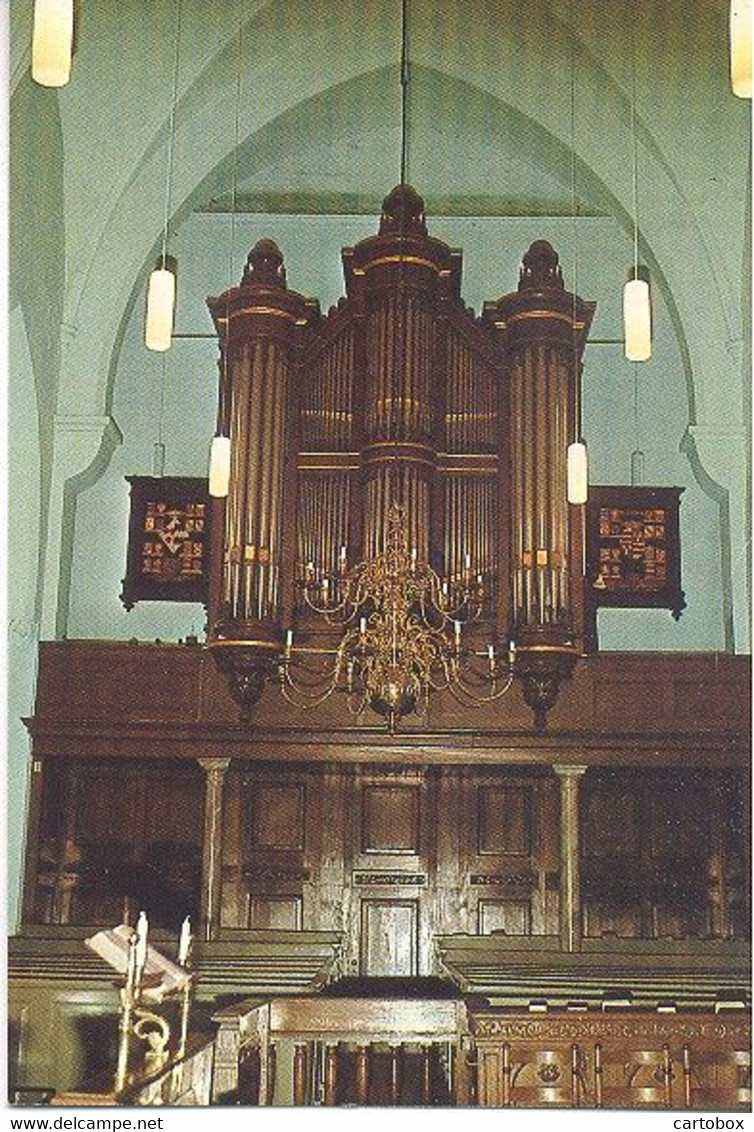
(330, 1051)
(628, 1059)
(340, 1051)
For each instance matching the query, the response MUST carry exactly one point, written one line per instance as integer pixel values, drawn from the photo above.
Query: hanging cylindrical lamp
(52, 42)
(637, 311)
(577, 467)
(637, 320)
(740, 47)
(158, 328)
(219, 467)
(578, 472)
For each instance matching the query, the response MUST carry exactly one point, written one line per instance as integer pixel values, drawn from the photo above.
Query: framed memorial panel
(168, 540)
(633, 548)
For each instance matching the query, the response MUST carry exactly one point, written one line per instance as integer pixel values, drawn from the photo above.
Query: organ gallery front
(435, 846)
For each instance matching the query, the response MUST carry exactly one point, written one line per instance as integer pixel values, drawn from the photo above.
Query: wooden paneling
(512, 917)
(509, 853)
(612, 916)
(626, 705)
(275, 912)
(277, 817)
(389, 936)
(504, 822)
(709, 701)
(679, 820)
(385, 855)
(108, 699)
(655, 849)
(610, 824)
(390, 822)
(118, 837)
(105, 681)
(634, 1060)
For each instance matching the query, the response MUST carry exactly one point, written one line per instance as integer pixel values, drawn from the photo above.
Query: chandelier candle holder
(401, 635)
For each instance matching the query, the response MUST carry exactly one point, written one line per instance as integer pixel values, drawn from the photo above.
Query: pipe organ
(400, 395)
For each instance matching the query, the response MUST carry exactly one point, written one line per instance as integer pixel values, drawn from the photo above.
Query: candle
(325, 586)
(288, 642)
(457, 631)
(511, 653)
(142, 931)
(310, 570)
(363, 626)
(413, 558)
(131, 964)
(467, 563)
(184, 943)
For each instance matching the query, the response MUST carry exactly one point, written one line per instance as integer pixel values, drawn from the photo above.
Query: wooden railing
(335, 1051)
(612, 1060)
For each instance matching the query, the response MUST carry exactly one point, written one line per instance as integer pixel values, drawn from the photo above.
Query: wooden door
(389, 937)
(389, 925)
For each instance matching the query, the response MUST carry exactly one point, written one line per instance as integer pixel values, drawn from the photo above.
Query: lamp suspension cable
(392, 482)
(401, 623)
(577, 470)
(52, 42)
(158, 451)
(158, 331)
(404, 92)
(219, 460)
(637, 456)
(637, 314)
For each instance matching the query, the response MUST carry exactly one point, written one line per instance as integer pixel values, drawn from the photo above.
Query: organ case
(400, 395)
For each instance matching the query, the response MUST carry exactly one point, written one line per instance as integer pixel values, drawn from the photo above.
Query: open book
(161, 976)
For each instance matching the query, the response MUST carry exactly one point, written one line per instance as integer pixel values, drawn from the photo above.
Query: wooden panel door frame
(487, 876)
(399, 877)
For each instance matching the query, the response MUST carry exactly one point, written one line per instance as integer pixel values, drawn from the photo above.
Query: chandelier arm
(443, 687)
(329, 610)
(464, 694)
(297, 697)
(360, 707)
(309, 687)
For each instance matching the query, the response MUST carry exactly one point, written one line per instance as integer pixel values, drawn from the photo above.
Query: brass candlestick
(149, 1027)
(128, 997)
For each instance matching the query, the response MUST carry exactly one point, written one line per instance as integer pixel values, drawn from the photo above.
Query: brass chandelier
(402, 635)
